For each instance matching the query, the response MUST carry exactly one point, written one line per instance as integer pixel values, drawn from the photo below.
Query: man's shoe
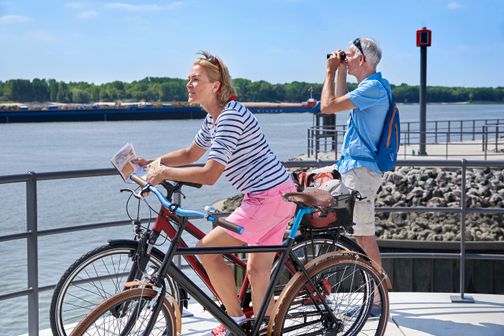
(374, 312)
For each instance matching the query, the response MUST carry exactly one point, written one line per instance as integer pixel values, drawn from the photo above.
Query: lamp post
(423, 40)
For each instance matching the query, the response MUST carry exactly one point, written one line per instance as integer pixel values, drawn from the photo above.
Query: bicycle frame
(166, 221)
(163, 224)
(167, 267)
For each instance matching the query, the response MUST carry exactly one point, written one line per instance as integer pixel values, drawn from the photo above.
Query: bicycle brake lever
(135, 194)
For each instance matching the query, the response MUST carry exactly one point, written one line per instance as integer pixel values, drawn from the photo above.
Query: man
(369, 104)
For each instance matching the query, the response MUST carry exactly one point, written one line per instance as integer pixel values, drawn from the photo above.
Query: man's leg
(369, 245)
(366, 183)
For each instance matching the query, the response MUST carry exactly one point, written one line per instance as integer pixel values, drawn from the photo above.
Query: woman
(238, 149)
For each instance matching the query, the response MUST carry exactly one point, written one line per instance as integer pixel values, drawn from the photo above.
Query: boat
(21, 113)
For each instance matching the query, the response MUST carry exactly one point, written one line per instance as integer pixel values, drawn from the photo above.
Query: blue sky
(274, 40)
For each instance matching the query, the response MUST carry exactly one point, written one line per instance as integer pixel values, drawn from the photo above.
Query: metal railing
(441, 137)
(32, 233)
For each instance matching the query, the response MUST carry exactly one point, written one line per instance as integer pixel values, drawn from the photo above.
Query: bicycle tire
(116, 313)
(73, 298)
(307, 248)
(353, 282)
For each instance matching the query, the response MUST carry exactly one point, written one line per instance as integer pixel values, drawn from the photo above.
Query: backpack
(341, 214)
(388, 145)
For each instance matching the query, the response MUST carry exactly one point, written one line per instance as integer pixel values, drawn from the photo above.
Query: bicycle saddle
(311, 198)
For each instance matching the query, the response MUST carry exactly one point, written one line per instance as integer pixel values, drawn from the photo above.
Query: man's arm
(333, 98)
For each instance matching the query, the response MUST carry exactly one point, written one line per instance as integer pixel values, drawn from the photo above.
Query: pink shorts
(264, 216)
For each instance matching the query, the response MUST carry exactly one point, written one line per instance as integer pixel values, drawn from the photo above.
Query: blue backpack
(388, 145)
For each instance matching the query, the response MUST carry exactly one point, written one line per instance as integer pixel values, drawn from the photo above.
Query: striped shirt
(237, 142)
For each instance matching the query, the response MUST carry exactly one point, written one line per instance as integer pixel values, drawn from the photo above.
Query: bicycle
(101, 272)
(318, 299)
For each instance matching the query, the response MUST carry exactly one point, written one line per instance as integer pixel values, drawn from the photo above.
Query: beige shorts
(366, 182)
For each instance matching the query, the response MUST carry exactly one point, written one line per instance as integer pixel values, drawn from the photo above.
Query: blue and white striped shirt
(237, 142)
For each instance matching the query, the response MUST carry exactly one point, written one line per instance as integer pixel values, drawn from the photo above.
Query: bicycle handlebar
(185, 213)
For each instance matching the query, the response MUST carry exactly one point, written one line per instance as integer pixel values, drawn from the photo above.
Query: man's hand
(336, 61)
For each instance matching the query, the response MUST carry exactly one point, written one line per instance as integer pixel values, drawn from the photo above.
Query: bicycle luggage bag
(341, 213)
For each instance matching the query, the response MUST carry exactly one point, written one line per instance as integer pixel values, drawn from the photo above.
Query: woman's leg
(219, 272)
(259, 270)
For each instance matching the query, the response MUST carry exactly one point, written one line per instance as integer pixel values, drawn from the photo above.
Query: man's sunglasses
(358, 45)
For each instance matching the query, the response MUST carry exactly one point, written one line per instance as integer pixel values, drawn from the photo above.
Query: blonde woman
(239, 150)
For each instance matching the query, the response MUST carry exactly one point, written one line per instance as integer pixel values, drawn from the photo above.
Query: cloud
(87, 15)
(12, 19)
(454, 5)
(141, 8)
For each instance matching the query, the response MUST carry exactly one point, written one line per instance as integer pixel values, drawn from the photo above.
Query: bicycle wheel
(350, 286)
(128, 313)
(92, 279)
(309, 247)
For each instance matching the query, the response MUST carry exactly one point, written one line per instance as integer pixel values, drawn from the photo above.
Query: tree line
(165, 89)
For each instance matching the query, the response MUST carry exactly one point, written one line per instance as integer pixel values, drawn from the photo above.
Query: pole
(423, 99)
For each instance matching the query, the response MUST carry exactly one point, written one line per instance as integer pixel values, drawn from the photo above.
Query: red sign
(423, 37)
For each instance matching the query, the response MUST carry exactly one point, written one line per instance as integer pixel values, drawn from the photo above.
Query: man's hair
(371, 49)
(217, 71)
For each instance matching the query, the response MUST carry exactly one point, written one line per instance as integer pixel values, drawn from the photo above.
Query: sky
(278, 41)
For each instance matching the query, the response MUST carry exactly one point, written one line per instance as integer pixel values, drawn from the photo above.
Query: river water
(48, 147)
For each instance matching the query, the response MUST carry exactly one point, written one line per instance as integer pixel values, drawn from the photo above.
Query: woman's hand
(155, 175)
(140, 161)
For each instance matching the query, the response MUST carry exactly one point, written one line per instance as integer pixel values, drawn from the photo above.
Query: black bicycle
(102, 272)
(331, 295)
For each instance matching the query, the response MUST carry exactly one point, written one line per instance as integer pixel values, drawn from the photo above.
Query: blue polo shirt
(372, 103)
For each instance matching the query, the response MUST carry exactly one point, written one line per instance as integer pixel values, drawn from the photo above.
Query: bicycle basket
(340, 214)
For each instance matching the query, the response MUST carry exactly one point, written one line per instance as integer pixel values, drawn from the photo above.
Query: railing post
(496, 139)
(32, 254)
(463, 206)
(435, 137)
(485, 140)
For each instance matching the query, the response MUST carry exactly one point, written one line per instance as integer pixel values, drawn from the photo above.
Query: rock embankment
(434, 188)
(439, 188)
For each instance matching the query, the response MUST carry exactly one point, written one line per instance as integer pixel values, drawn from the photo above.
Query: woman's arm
(183, 156)
(179, 157)
(208, 174)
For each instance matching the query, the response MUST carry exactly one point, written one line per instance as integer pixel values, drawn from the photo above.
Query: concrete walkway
(470, 150)
(412, 314)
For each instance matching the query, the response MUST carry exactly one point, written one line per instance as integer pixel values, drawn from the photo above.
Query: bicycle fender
(133, 243)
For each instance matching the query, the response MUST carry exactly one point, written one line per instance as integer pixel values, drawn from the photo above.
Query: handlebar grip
(228, 225)
(138, 180)
(191, 184)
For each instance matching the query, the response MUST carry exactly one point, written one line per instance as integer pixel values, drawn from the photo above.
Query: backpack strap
(390, 110)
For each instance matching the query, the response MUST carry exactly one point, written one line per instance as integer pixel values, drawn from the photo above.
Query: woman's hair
(372, 51)
(217, 71)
